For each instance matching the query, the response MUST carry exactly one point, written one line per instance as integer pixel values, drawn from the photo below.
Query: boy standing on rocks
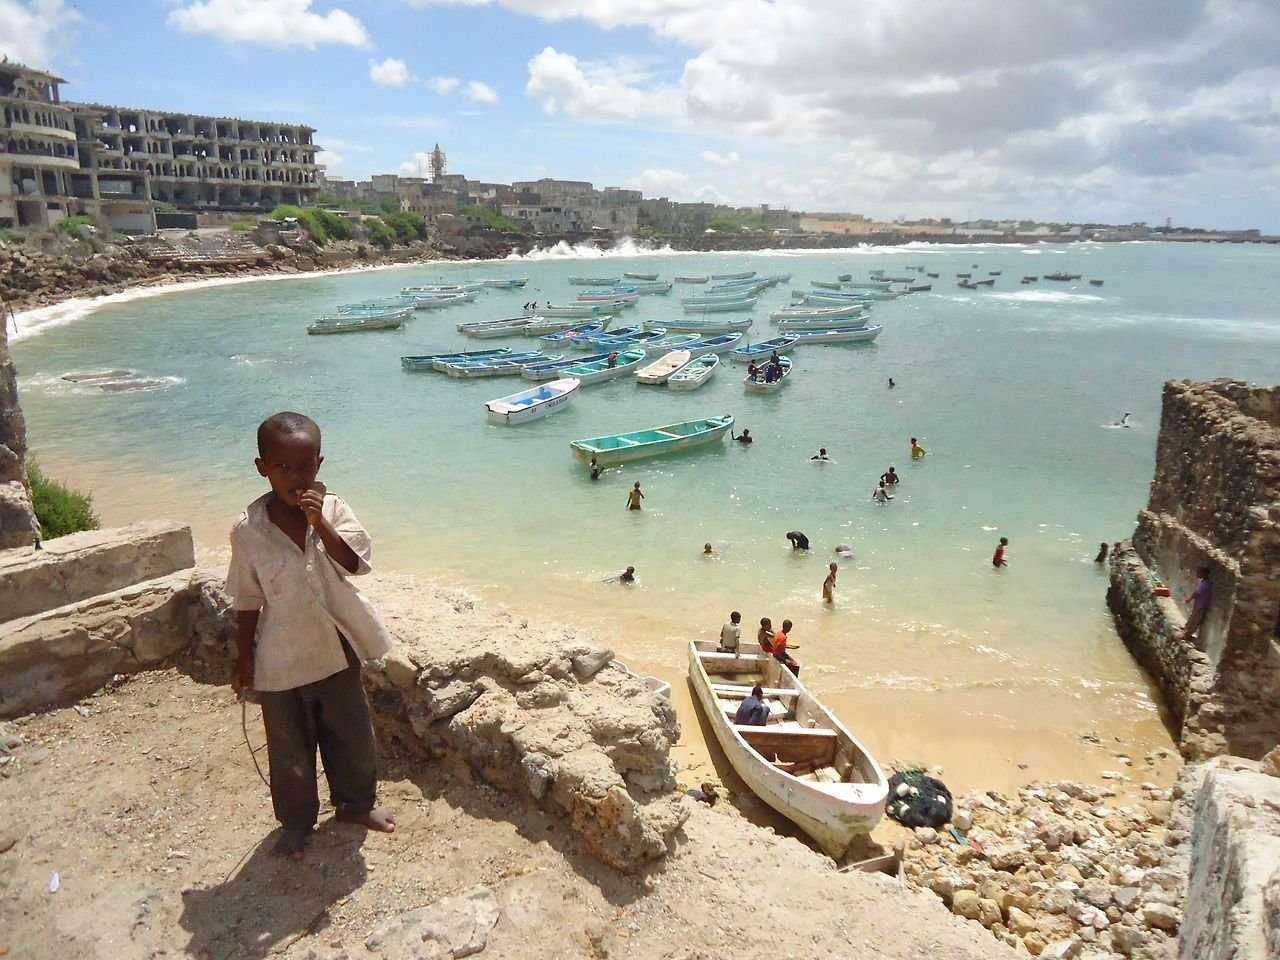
(302, 630)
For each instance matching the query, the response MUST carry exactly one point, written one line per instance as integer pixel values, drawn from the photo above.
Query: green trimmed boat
(654, 442)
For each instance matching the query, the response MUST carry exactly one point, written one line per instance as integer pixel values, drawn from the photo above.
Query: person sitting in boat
(779, 648)
(764, 636)
(753, 711)
(798, 540)
(774, 359)
(743, 437)
(612, 361)
(772, 373)
(752, 370)
(821, 455)
(881, 494)
(731, 634)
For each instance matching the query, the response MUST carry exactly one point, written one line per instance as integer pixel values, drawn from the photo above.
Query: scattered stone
(1061, 950)
(450, 928)
(587, 665)
(926, 836)
(1161, 916)
(964, 903)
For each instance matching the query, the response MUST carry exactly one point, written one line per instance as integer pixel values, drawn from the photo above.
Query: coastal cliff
(17, 519)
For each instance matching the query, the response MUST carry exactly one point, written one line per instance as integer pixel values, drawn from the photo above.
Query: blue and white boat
(580, 310)
(428, 361)
(487, 329)
(357, 320)
(788, 328)
(819, 313)
(550, 369)
(682, 325)
(656, 441)
(642, 338)
(598, 370)
(612, 296)
(513, 283)
(695, 373)
(437, 301)
(761, 349)
(595, 281)
(508, 366)
(443, 288)
(587, 342)
(719, 343)
(656, 286)
(838, 335)
(589, 329)
(746, 274)
(758, 383)
(544, 326)
(723, 306)
(533, 403)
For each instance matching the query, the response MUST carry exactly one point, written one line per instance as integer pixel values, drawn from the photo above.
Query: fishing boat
(533, 403)
(614, 341)
(575, 310)
(1095, 283)
(746, 274)
(758, 384)
(568, 335)
(932, 276)
(508, 366)
(695, 373)
(819, 313)
(724, 306)
(513, 283)
(656, 441)
(867, 284)
(994, 273)
(1030, 279)
(488, 329)
(585, 341)
(826, 284)
(692, 279)
(1062, 276)
(621, 299)
(674, 341)
(427, 361)
(551, 369)
(964, 276)
(435, 301)
(357, 323)
(761, 349)
(661, 369)
(718, 343)
(845, 277)
(596, 371)
(443, 288)
(984, 283)
(595, 281)
(966, 285)
(641, 276)
(378, 305)
(819, 301)
(919, 288)
(645, 287)
(804, 762)
(705, 326)
(542, 326)
(837, 335)
(789, 327)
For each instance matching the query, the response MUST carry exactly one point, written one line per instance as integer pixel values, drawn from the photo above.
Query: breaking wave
(1047, 296)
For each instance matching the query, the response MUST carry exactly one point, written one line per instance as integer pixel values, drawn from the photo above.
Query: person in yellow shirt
(917, 451)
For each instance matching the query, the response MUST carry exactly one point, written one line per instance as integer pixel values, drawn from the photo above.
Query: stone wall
(17, 521)
(1215, 502)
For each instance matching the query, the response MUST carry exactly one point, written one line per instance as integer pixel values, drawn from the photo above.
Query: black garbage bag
(929, 806)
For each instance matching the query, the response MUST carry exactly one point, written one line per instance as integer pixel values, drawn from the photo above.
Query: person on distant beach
(1102, 553)
(743, 437)
(1200, 597)
(890, 477)
(917, 451)
(764, 636)
(634, 496)
(300, 643)
(821, 455)
(731, 634)
(891, 383)
(595, 469)
(779, 648)
(829, 584)
(997, 558)
(753, 711)
(881, 494)
(798, 540)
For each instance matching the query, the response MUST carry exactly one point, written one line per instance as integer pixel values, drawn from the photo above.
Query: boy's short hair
(757, 691)
(735, 616)
(283, 423)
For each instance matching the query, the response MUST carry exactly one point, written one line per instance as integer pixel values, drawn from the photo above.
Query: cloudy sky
(1110, 110)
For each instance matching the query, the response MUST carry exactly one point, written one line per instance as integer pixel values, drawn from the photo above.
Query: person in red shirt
(778, 647)
(997, 558)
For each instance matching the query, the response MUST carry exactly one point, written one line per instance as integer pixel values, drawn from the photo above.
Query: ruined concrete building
(58, 159)
(1214, 502)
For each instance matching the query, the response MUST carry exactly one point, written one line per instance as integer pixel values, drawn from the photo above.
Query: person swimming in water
(595, 469)
(917, 451)
(707, 551)
(821, 455)
(634, 496)
(890, 477)
(881, 494)
(1123, 421)
(743, 437)
(798, 540)
(891, 383)
(1102, 553)
(628, 575)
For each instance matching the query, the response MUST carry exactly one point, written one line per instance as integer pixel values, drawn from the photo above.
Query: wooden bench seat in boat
(791, 744)
(718, 663)
(739, 691)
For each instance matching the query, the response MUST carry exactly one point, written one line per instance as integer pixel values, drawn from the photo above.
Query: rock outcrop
(17, 519)
(1215, 502)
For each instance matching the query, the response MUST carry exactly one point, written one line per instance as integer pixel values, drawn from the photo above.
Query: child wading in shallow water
(302, 631)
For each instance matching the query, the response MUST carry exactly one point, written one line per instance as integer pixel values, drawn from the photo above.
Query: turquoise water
(1011, 392)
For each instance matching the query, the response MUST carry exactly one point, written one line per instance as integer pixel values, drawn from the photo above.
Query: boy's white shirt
(303, 596)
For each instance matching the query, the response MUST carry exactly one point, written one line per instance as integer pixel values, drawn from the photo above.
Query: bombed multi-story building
(62, 158)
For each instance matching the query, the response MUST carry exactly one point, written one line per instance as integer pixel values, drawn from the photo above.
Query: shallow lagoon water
(928, 652)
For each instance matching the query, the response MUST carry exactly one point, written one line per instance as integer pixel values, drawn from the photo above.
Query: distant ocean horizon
(929, 653)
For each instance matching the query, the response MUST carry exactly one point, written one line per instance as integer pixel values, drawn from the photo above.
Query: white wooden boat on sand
(804, 762)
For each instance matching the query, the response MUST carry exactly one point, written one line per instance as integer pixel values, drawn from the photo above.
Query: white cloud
(443, 85)
(477, 91)
(561, 83)
(730, 159)
(344, 146)
(273, 23)
(329, 160)
(389, 73)
(32, 32)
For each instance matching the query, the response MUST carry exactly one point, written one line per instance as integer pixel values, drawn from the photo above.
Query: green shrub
(379, 233)
(163, 206)
(71, 225)
(7, 235)
(242, 226)
(59, 509)
(321, 225)
(490, 218)
(408, 226)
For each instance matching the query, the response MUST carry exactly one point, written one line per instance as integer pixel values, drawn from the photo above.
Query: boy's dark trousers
(331, 714)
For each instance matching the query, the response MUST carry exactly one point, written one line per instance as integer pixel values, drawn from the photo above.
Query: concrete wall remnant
(1214, 502)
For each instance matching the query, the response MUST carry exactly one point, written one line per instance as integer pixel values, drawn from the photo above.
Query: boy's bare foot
(292, 844)
(379, 818)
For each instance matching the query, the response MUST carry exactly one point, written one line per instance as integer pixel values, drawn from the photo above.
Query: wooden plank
(794, 746)
(740, 691)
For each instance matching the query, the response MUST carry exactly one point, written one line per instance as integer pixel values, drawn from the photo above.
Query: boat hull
(843, 335)
(764, 349)
(706, 326)
(832, 814)
(532, 404)
(752, 385)
(695, 373)
(586, 449)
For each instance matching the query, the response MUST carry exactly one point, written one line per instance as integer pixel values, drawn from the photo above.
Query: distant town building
(115, 163)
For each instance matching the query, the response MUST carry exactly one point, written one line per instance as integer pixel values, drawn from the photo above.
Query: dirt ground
(144, 801)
